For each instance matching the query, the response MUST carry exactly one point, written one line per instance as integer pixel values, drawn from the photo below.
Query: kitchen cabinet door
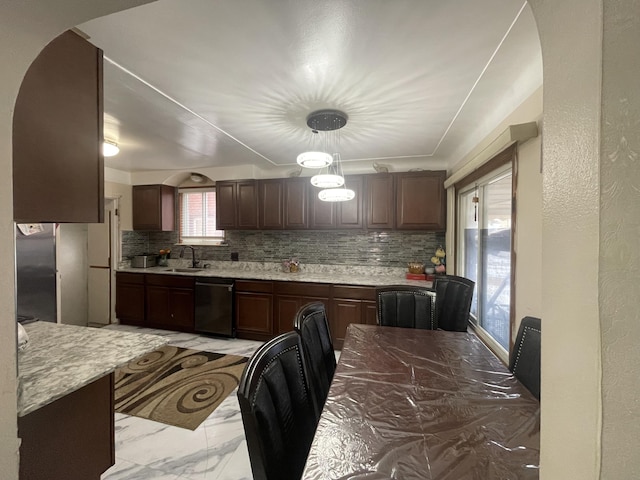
(351, 304)
(421, 201)
(271, 204)
(254, 315)
(296, 203)
(350, 215)
(58, 167)
(254, 309)
(286, 308)
(170, 302)
(130, 298)
(225, 205)
(322, 215)
(154, 207)
(343, 312)
(237, 205)
(380, 201)
(247, 205)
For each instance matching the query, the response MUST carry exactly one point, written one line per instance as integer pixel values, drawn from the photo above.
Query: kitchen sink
(183, 270)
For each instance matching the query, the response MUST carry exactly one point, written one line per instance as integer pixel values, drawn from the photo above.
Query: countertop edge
(44, 371)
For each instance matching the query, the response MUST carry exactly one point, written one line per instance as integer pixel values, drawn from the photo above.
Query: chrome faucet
(194, 262)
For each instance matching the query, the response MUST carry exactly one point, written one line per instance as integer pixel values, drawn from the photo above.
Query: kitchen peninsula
(65, 399)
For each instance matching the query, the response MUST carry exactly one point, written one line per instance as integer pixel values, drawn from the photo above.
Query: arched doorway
(571, 39)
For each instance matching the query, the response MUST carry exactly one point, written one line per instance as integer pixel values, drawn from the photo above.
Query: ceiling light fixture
(331, 193)
(332, 176)
(196, 177)
(324, 124)
(109, 148)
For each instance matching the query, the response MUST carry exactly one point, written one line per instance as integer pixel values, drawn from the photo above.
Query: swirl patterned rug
(176, 386)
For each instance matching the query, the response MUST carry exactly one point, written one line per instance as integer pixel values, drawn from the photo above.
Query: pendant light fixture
(334, 186)
(331, 177)
(327, 124)
(324, 125)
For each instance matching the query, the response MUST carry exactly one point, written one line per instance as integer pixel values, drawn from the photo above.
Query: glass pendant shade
(314, 159)
(327, 180)
(336, 195)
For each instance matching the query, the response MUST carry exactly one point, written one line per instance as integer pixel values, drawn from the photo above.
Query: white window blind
(198, 215)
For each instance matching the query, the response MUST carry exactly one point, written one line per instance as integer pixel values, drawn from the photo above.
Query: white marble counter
(60, 359)
(334, 274)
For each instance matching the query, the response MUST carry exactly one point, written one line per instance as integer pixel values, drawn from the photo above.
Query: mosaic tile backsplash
(388, 249)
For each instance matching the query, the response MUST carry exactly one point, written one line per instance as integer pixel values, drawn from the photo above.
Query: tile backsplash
(388, 249)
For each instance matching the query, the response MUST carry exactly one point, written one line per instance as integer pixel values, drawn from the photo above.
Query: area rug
(176, 386)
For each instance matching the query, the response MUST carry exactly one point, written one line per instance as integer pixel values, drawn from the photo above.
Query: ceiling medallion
(326, 120)
(323, 124)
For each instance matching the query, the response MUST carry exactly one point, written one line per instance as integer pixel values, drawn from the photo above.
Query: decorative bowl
(416, 267)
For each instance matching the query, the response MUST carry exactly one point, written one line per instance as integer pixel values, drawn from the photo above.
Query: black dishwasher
(214, 306)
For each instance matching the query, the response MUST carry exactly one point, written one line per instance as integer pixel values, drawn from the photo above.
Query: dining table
(424, 404)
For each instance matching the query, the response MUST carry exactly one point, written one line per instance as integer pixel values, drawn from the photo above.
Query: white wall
(72, 264)
(619, 252)
(528, 238)
(25, 28)
(571, 38)
(123, 193)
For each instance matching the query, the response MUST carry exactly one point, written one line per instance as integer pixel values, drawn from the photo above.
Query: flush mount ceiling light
(324, 124)
(196, 177)
(109, 148)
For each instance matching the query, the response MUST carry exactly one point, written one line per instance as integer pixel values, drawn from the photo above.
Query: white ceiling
(195, 84)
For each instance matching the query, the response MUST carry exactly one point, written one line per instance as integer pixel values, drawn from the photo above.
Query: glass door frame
(496, 166)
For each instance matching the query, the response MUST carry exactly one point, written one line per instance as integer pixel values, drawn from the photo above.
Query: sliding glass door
(484, 246)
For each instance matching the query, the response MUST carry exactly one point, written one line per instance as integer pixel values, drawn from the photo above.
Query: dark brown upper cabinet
(322, 215)
(421, 200)
(296, 201)
(271, 204)
(380, 201)
(154, 207)
(351, 214)
(237, 205)
(58, 167)
(338, 215)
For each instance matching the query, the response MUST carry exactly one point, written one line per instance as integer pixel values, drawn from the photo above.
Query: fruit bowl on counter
(416, 267)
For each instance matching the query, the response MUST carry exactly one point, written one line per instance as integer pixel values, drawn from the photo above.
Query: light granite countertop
(60, 359)
(334, 274)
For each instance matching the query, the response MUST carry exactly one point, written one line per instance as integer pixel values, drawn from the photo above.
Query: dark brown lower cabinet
(170, 302)
(350, 304)
(291, 296)
(71, 438)
(130, 298)
(254, 309)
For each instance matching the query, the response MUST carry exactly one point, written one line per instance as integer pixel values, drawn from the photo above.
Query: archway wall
(619, 239)
(571, 39)
(589, 238)
(25, 28)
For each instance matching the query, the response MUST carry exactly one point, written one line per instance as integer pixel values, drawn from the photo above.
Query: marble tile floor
(216, 450)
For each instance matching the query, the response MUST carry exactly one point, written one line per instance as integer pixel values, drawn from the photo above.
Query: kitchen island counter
(60, 359)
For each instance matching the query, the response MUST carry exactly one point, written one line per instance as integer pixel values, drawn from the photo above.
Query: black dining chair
(278, 409)
(524, 360)
(453, 298)
(406, 306)
(312, 326)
